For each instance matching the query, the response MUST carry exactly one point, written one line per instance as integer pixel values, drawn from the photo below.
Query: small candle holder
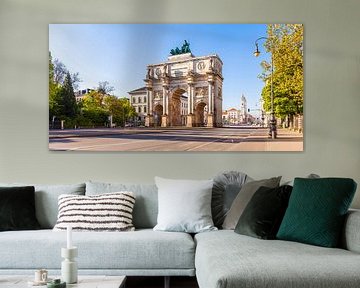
(69, 270)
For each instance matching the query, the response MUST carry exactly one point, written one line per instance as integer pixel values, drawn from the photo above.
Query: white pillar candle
(69, 237)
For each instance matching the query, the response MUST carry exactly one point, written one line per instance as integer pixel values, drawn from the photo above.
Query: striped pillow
(105, 212)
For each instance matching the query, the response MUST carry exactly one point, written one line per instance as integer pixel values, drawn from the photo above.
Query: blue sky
(119, 53)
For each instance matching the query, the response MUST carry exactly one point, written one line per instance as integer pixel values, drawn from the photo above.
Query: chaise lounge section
(225, 259)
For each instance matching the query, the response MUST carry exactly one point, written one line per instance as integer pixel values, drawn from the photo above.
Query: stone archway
(175, 107)
(200, 114)
(158, 112)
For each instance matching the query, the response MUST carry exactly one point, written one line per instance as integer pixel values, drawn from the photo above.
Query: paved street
(174, 139)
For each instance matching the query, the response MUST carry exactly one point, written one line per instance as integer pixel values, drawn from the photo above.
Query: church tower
(243, 110)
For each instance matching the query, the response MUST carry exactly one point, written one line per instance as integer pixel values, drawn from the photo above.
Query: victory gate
(185, 90)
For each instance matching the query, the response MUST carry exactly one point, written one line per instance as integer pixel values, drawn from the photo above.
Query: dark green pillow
(316, 211)
(17, 208)
(264, 212)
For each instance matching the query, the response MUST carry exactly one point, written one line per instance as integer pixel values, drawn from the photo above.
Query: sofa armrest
(351, 234)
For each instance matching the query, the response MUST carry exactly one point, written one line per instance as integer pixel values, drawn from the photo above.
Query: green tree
(93, 108)
(60, 71)
(130, 112)
(93, 99)
(119, 108)
(98, 105)
(104, 88)
(285, 42)
(70, 108)
(62, 101)
(55, 105)
(59, 74)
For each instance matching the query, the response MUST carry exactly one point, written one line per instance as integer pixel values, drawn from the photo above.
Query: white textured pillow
(184, 205)
(105, 212)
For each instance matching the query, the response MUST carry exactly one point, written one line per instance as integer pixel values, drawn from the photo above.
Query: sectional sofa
(219, 259)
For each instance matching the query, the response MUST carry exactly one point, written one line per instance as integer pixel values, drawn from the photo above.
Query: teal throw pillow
(316, 211)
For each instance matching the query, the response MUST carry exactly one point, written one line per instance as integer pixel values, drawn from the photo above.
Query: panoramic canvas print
(176, 87)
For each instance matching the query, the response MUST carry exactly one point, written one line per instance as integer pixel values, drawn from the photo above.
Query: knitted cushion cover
(316, 211)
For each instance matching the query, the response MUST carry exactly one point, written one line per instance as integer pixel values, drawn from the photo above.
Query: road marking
(205, 144)
(102, 145)
(147, 147)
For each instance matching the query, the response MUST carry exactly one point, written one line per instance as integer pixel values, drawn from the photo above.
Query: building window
(144, 99)
(144, 109)
(139, 99)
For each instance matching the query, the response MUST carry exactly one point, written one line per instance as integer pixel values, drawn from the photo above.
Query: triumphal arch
(185, 90)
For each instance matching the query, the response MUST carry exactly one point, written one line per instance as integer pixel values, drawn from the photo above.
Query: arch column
(190, 116)
(149, 119)
(210, 116)
(165, 101)
(190, 100)
(219, 106)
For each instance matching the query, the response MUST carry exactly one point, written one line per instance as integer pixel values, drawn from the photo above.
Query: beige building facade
(138, 100)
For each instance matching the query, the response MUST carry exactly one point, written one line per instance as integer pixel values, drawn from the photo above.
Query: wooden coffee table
(84, 281)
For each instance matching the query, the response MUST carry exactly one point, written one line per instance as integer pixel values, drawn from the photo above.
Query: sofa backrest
(46, 200)
(146, 203)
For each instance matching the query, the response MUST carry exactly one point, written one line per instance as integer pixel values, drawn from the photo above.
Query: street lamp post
(272, 131)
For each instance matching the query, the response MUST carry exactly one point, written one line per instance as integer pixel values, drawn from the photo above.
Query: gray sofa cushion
(143, 249)
(225, 189)
(46, 200)
(226, 259)
(243, 198)
(351, 236)
(184, 205)
(263, 215)
(146, 204)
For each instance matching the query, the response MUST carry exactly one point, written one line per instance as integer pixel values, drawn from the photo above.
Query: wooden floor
(158, 282)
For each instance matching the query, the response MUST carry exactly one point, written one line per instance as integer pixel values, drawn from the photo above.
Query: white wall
(332, 91)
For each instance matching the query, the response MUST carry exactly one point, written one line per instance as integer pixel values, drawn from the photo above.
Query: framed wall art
(176, 87)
